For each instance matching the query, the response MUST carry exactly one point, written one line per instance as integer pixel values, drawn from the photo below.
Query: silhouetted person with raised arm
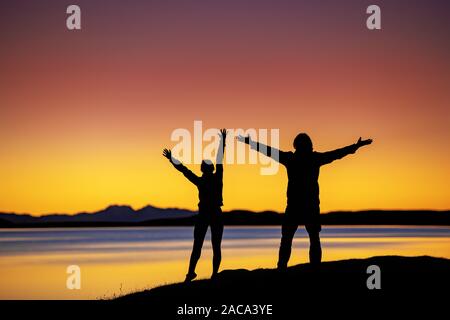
(210, 186)
(303, 204)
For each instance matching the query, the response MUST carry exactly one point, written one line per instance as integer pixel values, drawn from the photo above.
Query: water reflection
(33, 262)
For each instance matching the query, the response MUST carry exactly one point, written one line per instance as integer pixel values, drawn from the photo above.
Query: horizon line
(194, 211)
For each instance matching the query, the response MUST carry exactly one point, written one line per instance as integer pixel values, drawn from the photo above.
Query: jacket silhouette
(209, 185)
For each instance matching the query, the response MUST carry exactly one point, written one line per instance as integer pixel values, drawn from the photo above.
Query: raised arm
(275, 154)
(221, 152)
(192, 177)
(330, 156)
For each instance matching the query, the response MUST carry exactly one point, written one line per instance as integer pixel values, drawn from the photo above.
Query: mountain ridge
(112, 213)
(124, 215)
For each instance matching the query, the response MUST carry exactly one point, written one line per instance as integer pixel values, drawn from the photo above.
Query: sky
(85, 114)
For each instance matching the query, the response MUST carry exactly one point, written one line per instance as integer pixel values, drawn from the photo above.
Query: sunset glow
(85, 115)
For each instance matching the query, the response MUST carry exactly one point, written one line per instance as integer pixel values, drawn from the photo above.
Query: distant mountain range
(115, 213)
(151, 216)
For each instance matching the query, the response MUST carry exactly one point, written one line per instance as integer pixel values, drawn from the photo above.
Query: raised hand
(223, 134)
(361, 142)
(167, 153)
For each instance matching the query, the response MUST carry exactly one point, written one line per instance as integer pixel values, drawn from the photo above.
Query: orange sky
(85, 114)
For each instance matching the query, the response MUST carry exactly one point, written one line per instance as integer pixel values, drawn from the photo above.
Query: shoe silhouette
(190, 277)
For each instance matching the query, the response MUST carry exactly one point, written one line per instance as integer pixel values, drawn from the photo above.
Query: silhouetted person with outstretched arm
(210, 186)
(303, 204)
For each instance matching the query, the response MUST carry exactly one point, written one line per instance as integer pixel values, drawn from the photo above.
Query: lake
(115, 261)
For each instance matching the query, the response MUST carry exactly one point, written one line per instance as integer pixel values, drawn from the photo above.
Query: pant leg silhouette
(315, 249)
(199, 236)
(287, 235)
(289, 227)
(216, 241)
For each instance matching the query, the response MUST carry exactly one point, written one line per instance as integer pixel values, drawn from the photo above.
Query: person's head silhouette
(303, 143)
(207, 167)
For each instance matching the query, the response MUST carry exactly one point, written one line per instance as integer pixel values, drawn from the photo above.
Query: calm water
(115, 261)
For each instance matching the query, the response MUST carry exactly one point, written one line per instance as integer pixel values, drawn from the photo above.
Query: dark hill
(5, 223)
(302, 287)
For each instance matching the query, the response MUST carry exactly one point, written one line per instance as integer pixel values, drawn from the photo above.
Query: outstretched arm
(192, 177)
(221, 152)
(273, 153)
(330, 156)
